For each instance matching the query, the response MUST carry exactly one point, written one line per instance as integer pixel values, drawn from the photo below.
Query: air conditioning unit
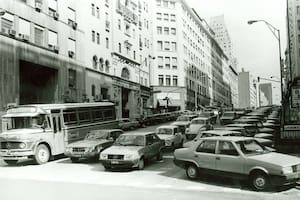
(25, 37)
(55, 15)
(74, 25)
(38, 6)
(12, 32)
(71, 54)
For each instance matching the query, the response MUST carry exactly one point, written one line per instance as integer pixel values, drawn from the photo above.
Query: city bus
(42, 131)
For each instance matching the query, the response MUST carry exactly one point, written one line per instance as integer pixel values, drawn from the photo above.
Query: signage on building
(295, 97)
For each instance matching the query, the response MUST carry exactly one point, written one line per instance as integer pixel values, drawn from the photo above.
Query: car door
(148, 150)
(177, 136)
(205, 155)
(228, 158)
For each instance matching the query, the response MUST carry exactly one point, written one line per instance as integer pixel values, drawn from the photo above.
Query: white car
(197, 125)
(171, 135)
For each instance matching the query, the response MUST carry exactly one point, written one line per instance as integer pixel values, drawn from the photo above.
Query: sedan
(131, 150)
(127, 124)
(239, 157)
(94, 142)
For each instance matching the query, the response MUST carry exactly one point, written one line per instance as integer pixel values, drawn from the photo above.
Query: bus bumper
(15, 154)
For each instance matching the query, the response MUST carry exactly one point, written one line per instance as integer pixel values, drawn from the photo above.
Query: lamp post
(276, 33)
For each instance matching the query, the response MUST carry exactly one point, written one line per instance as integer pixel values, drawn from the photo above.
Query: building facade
(247, 90)
(265, 94)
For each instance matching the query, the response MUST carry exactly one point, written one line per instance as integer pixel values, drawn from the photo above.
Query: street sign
(295, 97)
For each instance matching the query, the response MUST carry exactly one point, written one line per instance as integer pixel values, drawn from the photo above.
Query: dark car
(131, 150)
(183, 122)
(251, 129)
(228, 117)
(210, 115)
(94, 142)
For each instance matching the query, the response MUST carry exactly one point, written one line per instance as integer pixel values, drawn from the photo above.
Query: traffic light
(258, 78)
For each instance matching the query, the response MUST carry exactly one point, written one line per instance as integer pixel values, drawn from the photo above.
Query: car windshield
(183, 118)
(198, 121)
(130, 140)
(26, 122)
(97, 135)
(164, 131)
(251, 147)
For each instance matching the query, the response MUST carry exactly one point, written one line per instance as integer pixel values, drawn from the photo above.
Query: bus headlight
(103, 156)
(22, 145)
(68, 149)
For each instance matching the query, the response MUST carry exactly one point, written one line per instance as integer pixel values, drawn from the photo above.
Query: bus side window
(49, 122)
(54, 124)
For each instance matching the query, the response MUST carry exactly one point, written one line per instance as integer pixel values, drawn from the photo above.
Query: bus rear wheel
(11, 162)
(42, 154)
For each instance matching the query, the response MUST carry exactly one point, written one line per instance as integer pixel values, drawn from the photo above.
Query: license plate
(114, 162)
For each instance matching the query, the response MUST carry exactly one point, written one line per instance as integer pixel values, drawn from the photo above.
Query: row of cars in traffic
(243, 148)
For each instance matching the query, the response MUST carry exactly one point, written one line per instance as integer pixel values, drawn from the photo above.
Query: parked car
(264, 135)
(183, 122)
(239, 157)
(128, 124)
(212, 133)
(255, 122)
(251, 129)
(94, 142)
(131, 150)
(197, 124)
(210, 115)
(228, 117)
(170, 135)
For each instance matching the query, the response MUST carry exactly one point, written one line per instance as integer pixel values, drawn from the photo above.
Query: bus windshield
(25, 122)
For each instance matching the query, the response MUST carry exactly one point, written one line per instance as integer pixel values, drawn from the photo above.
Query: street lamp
(276, 33)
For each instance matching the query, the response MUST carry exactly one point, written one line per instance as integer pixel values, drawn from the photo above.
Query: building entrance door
(125, 102)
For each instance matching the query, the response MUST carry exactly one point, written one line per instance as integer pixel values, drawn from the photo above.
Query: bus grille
(10, 145)
(78, 149)
(118, 157)
(287, 134)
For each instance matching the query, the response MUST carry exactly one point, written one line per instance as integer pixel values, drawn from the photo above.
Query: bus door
(59, 145)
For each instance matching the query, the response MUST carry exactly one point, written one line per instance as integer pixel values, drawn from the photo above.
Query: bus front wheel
(42, 154)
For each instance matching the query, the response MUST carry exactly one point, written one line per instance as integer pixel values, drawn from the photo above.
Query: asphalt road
(61, 179)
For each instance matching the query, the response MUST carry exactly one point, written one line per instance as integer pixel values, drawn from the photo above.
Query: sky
(254, 45)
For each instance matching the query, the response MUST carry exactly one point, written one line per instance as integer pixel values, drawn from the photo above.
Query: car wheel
(141, 164)
(159, 156)
(11, 162)
(74, 160)
(42, 154)
(259, 181)
(192, 171)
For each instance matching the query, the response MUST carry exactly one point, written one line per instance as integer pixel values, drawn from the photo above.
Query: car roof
(106, 130)
(220, 132)
(200, 118)
(229, 128)
(139, 133)
(229, 138)
(239, 125)
(167, 126)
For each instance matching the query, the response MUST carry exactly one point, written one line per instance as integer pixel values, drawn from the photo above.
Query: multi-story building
(41, 54)
(222, 36)
(187, 56)
(247, 90)
(265, 94)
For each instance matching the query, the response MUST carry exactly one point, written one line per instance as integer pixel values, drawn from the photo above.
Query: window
(167, 62)
(71, 45)
(134, 55)
(158, 3)
(93, 89)
(173, 47)
(93, 9)
(172, 4)
(166, 16)
(159, 45)
(159, 30)
(173, 31)
(93, 36)
(158, 16)
(98, 38)
(168, 80)
(72, 78)
(298, 23)
(120, 48)
(166, 30)
(161, 79)
(226, 148)
(207, 147)
(160, 61)
(167, 45)
(173, 18)
(107, 43)
(175, 80)
(39, 35)
(98, 12)
(298, 10)
(174, 63)
(165, 3)
(127, 28)
(52, 38)
(119, 24)
(71, 15)
(133, 33)
(24, 27)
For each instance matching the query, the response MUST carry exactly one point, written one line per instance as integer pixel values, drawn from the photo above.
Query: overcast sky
(254, 45)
